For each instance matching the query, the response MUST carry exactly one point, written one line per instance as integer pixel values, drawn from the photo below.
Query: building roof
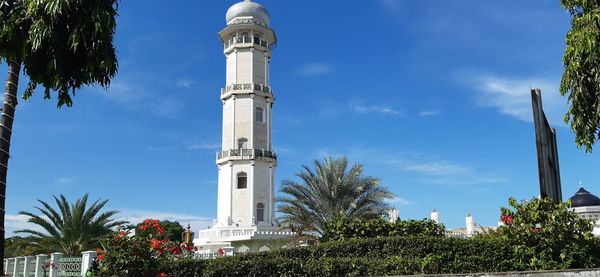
(584, 199)
(248, 8)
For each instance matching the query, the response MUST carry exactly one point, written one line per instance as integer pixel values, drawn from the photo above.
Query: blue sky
(430, 96)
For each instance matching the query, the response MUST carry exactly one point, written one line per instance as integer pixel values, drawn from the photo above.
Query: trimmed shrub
(360, 257)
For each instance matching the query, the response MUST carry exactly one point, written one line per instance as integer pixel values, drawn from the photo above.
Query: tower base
(243, 239)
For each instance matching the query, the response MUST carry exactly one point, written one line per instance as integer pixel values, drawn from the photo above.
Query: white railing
(54, 266)
(233, 232)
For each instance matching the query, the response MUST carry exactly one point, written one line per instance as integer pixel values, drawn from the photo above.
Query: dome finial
(580, 183)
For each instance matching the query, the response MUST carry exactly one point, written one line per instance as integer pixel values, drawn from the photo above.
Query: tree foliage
(172, 229)
(343, 228)
(61, 44)
(581, 78)
(71, 229)
(18, 247)
(546, 235)
(331, 189)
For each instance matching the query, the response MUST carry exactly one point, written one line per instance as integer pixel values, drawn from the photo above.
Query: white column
(4, 268)
(268, 119)
(16, 267)
(233, 142)
(271, 194)
(86, 262)
(266, 69)
(26, 266)
(10, 268)
(54, 264)
(232, 183)
(39, 263)
(253, 202)
(252, 121)
(470, 225)
(252, 65)
(236, 67)
(435, 216)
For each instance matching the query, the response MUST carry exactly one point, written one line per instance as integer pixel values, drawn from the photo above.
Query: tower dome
(248, 8)
(584, 199)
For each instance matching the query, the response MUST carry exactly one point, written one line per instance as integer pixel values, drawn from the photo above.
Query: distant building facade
(587, 206)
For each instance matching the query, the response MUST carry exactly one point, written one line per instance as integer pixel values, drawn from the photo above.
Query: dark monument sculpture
(547, 151)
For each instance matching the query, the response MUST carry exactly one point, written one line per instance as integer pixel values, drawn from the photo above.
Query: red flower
(507, 219)
(100, 257)
(155, 244)
(162, 274)
(536, 229)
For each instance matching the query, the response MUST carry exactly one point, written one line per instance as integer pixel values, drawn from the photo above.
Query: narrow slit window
(260, 115)
(260, 212)
(242, 180)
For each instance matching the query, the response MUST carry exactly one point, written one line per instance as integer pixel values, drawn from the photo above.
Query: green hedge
(359, 257)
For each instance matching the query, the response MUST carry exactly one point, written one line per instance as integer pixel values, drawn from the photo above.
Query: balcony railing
(246, 153)
(246, 39)
(250, 86)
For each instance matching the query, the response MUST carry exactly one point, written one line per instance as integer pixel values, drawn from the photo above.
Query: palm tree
(330, 190)
(75, 229)
(62, 45)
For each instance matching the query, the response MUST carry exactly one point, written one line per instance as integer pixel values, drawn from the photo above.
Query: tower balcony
(247, 88)
(245, 154)
(246, 42)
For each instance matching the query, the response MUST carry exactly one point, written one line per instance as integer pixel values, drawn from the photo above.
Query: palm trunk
(6, 124)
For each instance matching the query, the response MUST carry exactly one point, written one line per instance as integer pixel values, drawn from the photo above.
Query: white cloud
(184, 83)
(443, 172)
(13, 223)
(63, 180)
(429, 113)
(399, 201)
(184, 142)
(424, 167)
(137, 216)
(139, 94)
(512, 96)
(363, 109)
(315, 69)
(203, 145)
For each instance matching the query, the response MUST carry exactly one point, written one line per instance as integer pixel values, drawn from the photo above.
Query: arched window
(260, 115)
(242, 143)
(260, 212)
(242, 180)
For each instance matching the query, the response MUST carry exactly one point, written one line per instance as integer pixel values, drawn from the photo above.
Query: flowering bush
(545, 235)
(138, 255)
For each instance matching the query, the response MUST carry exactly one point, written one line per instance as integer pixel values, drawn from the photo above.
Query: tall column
(54, 263)
(27, 266)
(15, 269)
(86, 262)
(268, 119)
(39, 265)
(233, 142)
(252, 121)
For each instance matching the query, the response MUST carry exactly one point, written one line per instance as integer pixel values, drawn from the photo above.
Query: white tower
(435, 216)
(247, 161)
(470, 222)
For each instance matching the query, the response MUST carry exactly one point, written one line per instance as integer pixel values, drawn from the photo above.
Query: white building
(587, 206)
(246, 213)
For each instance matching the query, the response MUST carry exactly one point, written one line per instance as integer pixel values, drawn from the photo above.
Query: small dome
(248, 9)
(584, 199)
